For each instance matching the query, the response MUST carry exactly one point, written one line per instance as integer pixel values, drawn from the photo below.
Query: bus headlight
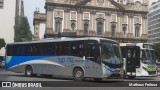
(110, 69)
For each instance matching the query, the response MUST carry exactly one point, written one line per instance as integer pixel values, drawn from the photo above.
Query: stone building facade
(122, 20)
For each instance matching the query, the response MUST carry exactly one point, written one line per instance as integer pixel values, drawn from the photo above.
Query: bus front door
(132, 60)
(93, 61)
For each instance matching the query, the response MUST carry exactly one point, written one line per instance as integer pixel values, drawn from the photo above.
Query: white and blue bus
(80, 58)
(139, 59)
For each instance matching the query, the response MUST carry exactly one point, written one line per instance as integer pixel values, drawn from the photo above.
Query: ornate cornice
(95, 8)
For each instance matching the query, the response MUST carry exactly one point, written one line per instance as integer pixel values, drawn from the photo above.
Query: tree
(22, 30)
(2, 43)
(157, 50)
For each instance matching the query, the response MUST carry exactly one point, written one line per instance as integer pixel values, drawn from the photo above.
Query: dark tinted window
(77, 48)
(92, 51)
(62, 48)
(123, 52)
(49, 49)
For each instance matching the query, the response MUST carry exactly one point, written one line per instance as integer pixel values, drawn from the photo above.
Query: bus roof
(62, 39)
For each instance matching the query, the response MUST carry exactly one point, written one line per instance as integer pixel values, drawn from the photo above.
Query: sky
(30, 7)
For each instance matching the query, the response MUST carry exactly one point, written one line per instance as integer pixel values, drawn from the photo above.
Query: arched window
(73, 24)
(113, 32)
(58, 24)
(99, 28)
(137, 31)
(124, 30)
(86, 25)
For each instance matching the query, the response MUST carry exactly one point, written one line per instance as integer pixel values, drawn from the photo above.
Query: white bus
(80, 58)
(139, 59)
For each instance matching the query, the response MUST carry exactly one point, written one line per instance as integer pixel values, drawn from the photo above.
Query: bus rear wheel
(78, 74)
(28, 71)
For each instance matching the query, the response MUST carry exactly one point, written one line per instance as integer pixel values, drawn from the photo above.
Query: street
(70, 84)
(11, 76)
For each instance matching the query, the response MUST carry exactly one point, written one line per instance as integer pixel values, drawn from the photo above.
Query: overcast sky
(30, 7)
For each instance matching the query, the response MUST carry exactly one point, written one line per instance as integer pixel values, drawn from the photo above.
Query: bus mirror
(84, 58)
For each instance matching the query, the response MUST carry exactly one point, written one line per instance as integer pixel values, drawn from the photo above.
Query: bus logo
(6, 84)
(65, 60)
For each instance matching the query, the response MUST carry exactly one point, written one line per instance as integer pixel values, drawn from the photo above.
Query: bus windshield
(148, 57)
(110, 53)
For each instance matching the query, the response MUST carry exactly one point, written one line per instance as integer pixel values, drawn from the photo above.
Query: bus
(138, 59)
(80, 58)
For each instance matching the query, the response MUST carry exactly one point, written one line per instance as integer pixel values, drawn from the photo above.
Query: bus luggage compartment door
(132, 60)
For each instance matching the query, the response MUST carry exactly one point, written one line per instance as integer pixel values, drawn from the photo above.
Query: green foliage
(2, 43)
(22, 30)
(157, 50)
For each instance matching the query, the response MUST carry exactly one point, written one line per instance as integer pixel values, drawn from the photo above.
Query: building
(154, 23)
(1, 3)
(7, 17)
(11, 9)
(122, 20)
(20, 8)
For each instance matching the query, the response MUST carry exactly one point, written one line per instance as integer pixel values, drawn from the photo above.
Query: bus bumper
(115, 74)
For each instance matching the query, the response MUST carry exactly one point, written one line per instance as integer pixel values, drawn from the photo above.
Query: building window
(99, 28)
(100, 25)
(73, 24)
(124, 29)
(113, 29)
(86, 26)
(58, 24)
(137, 31)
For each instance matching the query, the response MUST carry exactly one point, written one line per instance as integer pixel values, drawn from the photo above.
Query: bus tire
(78, 74)
(28, 71)
(97, 79)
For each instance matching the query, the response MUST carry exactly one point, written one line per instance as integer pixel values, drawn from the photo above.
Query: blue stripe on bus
(20, 59)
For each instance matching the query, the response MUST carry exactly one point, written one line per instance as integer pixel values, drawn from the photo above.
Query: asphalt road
(64, 83)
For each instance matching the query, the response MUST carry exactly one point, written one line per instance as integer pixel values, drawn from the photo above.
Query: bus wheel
(78, 74)
(28, 71)
(131, 77)
(97, 79)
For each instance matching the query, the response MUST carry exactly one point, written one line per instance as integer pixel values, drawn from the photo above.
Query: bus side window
(10, 51)
(62, 48)
(49, 49)
(77, 48)
(17, 50)
(92, 50)
(28, 50)
(23, 50)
